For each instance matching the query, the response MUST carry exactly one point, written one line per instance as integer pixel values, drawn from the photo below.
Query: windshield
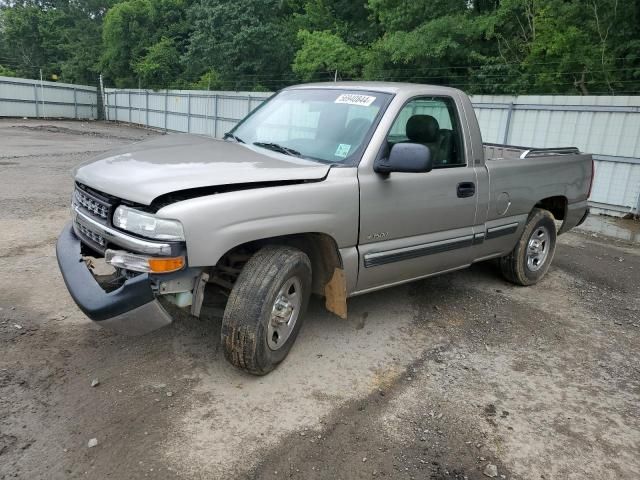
(329, 125)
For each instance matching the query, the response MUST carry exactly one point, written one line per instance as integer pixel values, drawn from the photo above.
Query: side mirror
(406, 157)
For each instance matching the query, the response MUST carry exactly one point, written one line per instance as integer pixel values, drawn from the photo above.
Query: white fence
(200, 112)
(607, 126)
(20, 97)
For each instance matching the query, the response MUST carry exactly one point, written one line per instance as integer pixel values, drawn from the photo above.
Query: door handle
(466, 189)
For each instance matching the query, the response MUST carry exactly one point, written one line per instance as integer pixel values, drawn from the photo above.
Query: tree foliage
(61, 38)
(482, 46)
(160, 65)
(324, 51)
(143, 40)
(247, 42)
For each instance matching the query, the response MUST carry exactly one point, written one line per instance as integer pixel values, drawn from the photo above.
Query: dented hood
(144, 171)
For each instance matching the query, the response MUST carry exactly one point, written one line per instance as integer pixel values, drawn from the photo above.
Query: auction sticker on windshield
(354, 99)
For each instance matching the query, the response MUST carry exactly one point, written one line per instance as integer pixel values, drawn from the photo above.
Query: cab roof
(384, 87)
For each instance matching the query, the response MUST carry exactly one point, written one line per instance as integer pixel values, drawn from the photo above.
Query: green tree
(482, 46)
(209, 80)
(324, 53)
(400, 15)
(6, 72)
(349, 20)
(80, 38)
(568, 46)
(60, 37)
(422, 44)
(248, 42)
(160, 67)
(138, 35)
(126, 35)
(31, 42)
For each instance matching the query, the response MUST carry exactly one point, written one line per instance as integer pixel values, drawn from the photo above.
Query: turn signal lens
(143, 263)
(164, 265)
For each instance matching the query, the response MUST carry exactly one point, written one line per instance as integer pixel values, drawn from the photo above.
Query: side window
(431, 121)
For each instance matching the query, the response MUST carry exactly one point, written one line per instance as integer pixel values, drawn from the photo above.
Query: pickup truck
(335, 189)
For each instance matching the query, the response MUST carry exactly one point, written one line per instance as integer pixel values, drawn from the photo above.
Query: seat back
(445, 148)
(424, 129)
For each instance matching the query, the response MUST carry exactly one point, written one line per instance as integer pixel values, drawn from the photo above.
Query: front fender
(214, 224)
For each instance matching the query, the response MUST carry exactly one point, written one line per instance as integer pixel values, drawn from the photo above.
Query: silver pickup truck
(337, 189)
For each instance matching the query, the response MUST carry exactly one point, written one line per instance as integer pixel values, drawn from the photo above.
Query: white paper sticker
(355, 99)
(343, 150)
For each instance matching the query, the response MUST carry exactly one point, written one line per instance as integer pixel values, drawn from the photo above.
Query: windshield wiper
(278, 148)
(231, 135)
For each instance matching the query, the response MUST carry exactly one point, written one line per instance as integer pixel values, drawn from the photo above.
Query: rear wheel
(531, 257)
(266, 308)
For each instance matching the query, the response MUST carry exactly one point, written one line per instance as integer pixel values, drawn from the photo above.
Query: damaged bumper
(132, 309)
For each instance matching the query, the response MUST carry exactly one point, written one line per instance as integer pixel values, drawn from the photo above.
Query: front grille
(93, 236)
(92, 204)
(97, 206)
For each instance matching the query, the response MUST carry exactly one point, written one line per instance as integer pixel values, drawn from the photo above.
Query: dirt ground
(435, 379)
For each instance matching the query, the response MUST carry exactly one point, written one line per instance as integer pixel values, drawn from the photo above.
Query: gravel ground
(449, 378)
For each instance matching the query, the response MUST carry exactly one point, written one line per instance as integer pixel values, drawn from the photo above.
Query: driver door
(414, 225)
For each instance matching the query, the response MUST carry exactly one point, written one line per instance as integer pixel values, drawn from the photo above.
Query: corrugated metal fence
(201, 112)
(607, 126)
(20, 97)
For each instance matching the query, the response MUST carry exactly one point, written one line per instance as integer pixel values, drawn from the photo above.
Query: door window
(433, 122)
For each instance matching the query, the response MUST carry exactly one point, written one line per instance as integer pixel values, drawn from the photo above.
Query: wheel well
(556, 205)
(321, 249)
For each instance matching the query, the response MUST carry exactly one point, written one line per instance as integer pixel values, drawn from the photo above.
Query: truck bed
(496, 151)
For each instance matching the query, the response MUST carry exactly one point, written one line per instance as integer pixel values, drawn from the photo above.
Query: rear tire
(529, 261)
(266, 308)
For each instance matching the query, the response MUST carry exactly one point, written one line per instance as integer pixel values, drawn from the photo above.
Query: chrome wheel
(538, 248)
(284, 313)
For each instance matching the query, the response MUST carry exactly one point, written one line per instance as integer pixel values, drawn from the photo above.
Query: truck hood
(144, 171)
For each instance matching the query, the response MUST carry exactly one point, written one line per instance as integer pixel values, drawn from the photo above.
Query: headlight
(147, 224)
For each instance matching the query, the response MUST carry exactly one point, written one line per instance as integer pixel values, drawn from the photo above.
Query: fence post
(508, 125)
(215, 116)
(146, 106)
(35, 98)
(102, 102)
(42, 90)
(166, 107)
(188, 113)
(129, 104)
(248, 104)
(75, 103)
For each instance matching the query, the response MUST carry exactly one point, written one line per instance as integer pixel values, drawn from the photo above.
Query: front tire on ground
(266, 308)
(530, 259)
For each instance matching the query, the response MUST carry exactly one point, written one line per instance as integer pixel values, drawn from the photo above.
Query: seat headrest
(422, 129)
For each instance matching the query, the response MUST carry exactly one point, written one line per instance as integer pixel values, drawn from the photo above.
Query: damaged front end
(119, 280)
